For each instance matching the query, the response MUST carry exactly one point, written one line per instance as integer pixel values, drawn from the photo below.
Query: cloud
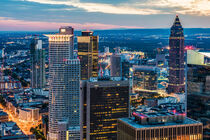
(189, 7)
(136, 7)
(102, 8)
(7, 24)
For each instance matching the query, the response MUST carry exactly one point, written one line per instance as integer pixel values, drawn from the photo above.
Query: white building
(64, 76)
(29, 114)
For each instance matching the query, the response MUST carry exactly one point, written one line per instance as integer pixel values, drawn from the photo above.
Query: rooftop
(145, 68)
(132, 123)
(3, 113)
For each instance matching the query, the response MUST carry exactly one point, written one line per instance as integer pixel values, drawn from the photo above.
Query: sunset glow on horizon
(103, 14)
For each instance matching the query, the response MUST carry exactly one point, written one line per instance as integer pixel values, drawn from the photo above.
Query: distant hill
(134, 39)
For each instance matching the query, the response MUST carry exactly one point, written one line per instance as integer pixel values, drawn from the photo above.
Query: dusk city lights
(104, 70)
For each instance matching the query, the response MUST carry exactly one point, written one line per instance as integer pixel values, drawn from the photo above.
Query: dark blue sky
(103, 14)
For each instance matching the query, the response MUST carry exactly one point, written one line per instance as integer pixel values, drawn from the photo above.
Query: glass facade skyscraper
(103, 101)
(88, 54)
(37, 64)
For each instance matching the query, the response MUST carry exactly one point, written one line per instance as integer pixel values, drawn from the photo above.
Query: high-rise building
(176, 59)
(126, 66)
(103, 102)
(64, 77)
(159, 126)
(88, 54)
(37, 64)
(145, 77)
(198, 88)
(116, 65)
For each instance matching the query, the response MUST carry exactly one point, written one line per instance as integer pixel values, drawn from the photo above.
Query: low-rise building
(145, 126)
(3, 116)
(29, 114)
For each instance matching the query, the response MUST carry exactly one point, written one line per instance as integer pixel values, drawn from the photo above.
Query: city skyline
(36, 15)
(105, 82)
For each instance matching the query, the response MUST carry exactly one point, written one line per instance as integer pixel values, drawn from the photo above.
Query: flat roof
(136, 125)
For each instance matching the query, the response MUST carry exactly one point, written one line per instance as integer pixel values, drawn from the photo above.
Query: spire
(176, 29)
(177, 21)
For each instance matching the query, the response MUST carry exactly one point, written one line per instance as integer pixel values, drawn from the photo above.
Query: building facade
(198, 88)
(4, 117)
(145, 77)
(37, 64)
(187, 129)
(73, 133)
(115, 65)
(29, 114)
(64, 76)
(103, 101)
(176, 59)
(88, 54)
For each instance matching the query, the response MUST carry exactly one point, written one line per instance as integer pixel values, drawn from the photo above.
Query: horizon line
(100, 29)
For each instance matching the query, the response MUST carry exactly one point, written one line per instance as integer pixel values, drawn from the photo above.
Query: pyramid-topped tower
(176, 29)
(176, 58)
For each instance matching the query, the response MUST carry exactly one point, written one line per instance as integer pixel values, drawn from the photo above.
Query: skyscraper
(103, 102)
(145, 77)
(116, 65)
(176, 59)
(88, 54)
(198, 88)
(37, 64)
(64, 76)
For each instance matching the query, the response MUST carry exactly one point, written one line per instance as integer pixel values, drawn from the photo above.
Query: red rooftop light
(189, 48)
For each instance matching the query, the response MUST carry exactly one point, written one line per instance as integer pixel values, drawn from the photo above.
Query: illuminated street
(24, 126)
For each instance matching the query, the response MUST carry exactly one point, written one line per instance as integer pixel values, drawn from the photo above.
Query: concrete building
(64, 76)
(73, 133)
(162, 125)
(8, 84)
(3, 116)
(29, 114)
(62, 129)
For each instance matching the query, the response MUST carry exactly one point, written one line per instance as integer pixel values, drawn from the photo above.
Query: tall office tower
(2, 67)
(198, 88)
(116, 65)
(88, 54)
(64, 77)
(159, 126)
(37, 64)
(126, 65)
(103, 102)
(176, 59)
